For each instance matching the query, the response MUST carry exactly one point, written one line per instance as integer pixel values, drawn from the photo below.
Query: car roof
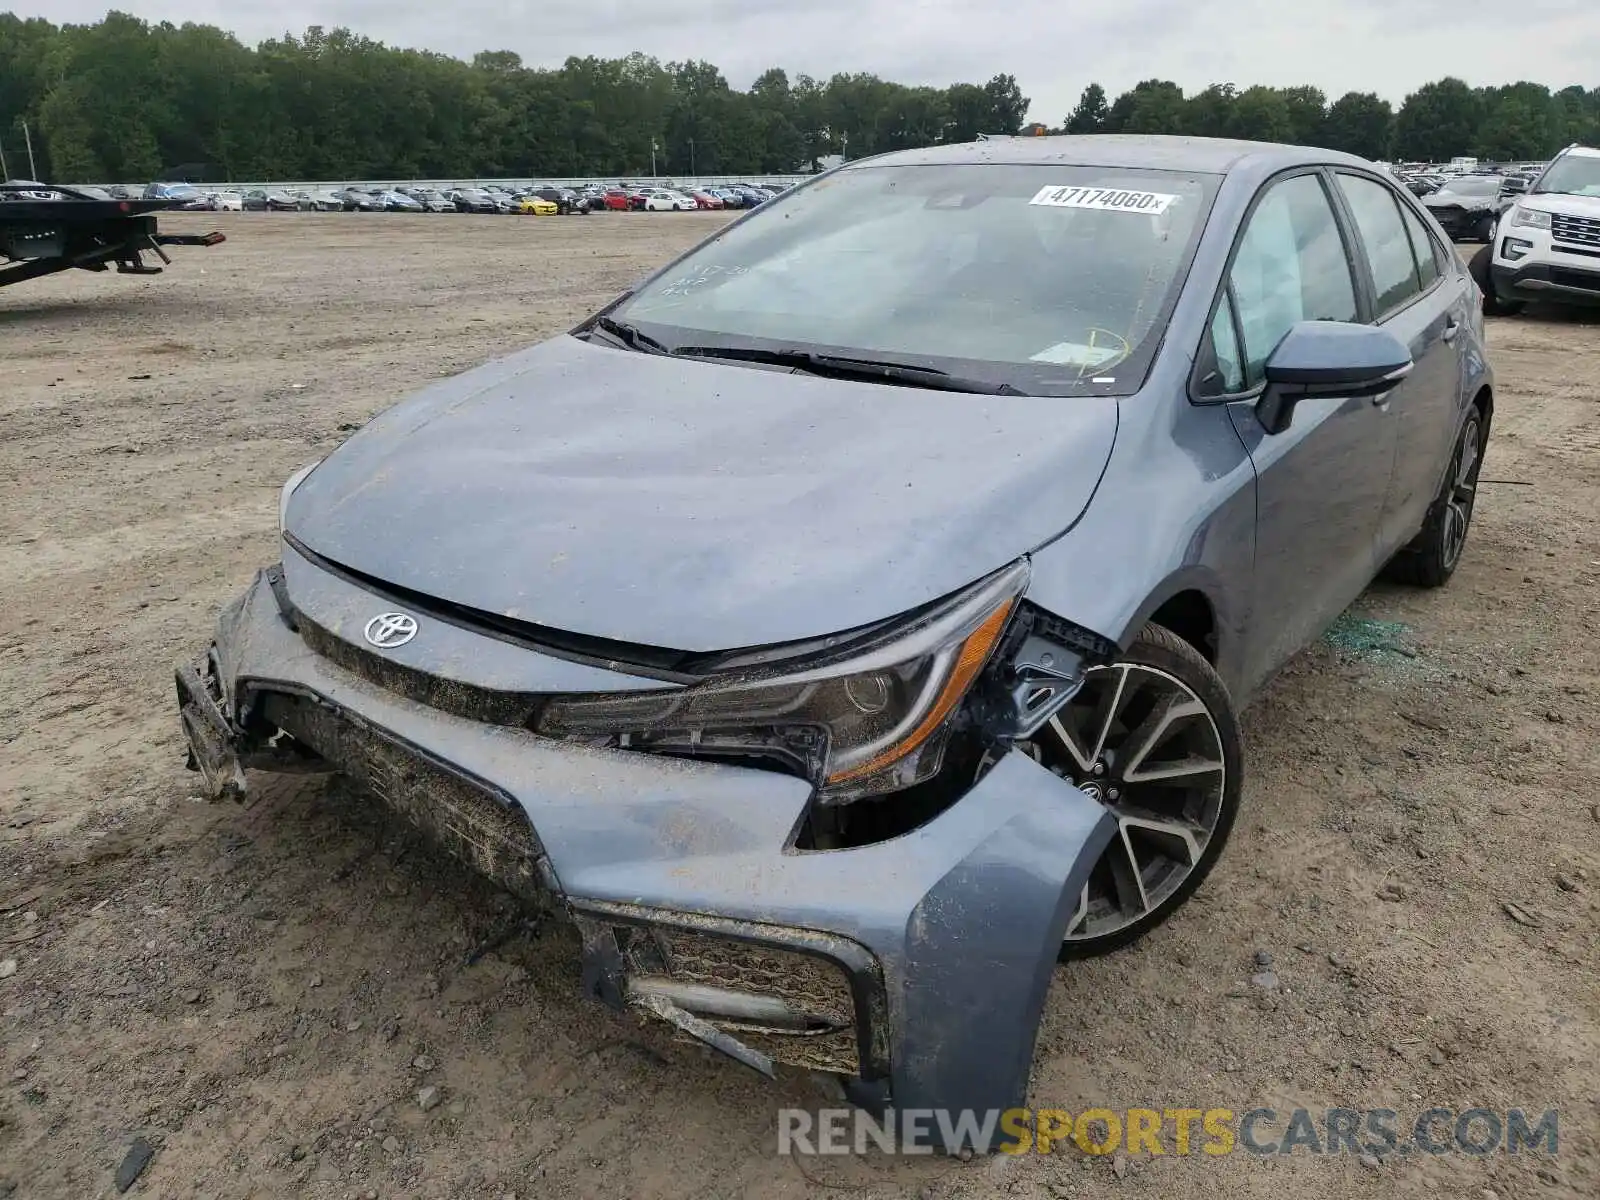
(1150, 151)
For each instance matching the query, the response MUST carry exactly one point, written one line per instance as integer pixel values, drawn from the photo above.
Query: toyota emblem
(391, 629)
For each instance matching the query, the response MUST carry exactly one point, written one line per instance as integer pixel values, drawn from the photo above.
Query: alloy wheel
(1461, 492)
(1141, 741)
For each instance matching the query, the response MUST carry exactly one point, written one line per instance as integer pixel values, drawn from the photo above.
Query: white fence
(445, 185)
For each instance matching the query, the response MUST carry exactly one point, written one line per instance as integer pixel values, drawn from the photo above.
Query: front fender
(1175, 510)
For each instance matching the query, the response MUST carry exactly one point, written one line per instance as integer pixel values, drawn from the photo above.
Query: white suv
(1547, 245)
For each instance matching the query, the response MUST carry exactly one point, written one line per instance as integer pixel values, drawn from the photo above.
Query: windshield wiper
(857, 368)
(630, 336)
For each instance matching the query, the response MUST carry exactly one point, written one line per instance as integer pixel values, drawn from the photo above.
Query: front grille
(1578, 231)
(482, 828)
(1575, 279)
(447, 695)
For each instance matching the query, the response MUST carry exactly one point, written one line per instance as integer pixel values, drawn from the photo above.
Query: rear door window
(1430, 256)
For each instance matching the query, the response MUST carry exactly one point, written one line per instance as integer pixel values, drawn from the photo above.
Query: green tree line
(1515, 122)
(127, 100)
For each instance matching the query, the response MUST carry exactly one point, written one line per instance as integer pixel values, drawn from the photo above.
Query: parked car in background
(395, 201)
(190, 197)
(358, 200)
(618, 199)
(227, 201)
(1468, 207)
(1548, 242)
(538, 206)
(655, 199)
(565, 199)
(270, 200)
(473, 200)
(432, 200)
(320, 200)
(921, 666)
(704, 199)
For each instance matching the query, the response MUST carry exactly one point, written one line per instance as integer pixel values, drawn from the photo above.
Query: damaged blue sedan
(852, 620)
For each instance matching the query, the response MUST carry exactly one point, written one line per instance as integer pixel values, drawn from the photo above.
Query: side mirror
(1329, 358)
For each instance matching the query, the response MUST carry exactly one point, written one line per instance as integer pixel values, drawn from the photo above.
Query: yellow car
(538, 206)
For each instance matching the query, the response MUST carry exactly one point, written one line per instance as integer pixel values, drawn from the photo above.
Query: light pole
(844, 147)
(693, 174)
(33, 170)
(652, 158)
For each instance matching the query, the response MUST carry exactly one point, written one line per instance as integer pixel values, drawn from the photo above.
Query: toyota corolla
(852, 620)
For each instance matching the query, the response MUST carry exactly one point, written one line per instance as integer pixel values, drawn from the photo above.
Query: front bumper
(1566, 282)
(1459, 224)
(918, 965)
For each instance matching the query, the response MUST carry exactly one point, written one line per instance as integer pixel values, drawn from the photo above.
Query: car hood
(1468, 203)
(696, 506)
(1562, 203)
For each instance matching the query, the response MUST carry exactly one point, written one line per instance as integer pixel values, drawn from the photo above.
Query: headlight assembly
(873, 720)
(1530, 218)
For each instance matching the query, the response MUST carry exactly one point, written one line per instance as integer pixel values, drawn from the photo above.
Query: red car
(617, 199)
(706, 200)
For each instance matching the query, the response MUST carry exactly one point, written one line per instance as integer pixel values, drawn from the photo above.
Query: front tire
(1481, 270)
(1154, 736)
(1434, 554)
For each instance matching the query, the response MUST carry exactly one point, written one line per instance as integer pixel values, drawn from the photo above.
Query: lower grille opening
(1575, 279)
(794, 1007)
(485, 830)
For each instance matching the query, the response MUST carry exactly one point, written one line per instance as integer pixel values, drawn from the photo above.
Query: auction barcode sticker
(1150, 204)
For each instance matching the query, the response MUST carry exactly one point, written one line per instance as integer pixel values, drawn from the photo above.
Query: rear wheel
(1154, 737)
(1433, 555)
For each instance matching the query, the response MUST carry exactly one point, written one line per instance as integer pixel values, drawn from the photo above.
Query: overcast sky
(1053, 47)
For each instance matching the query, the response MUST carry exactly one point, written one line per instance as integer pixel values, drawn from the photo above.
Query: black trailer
(45, 228)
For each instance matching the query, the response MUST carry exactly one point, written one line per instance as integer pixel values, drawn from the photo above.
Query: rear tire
(1433, 555)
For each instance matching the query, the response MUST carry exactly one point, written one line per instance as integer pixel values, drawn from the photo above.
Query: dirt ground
(260, 993)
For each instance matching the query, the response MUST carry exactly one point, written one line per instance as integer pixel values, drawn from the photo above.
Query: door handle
(1451, 328)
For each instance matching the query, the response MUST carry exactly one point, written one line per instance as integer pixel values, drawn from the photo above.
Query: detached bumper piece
(915, 968)
(208, 733)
